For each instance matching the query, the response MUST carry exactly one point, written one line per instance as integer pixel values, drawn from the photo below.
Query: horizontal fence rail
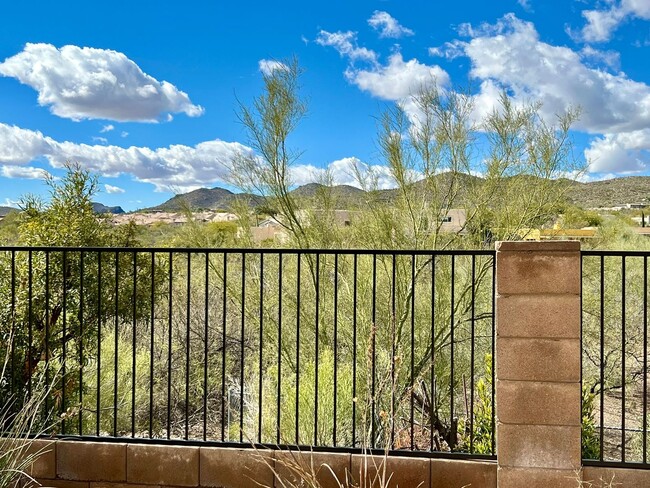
(349, 350)
(615, 358)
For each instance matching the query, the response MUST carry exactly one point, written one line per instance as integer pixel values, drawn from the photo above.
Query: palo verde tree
(503, 172)
(507, 173)
(270, 121)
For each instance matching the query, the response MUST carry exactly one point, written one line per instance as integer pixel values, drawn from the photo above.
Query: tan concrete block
(330, 470)
(521, 273)
(446, 473)
(539, 446)
(554, 360)
(542, 316)
(528, 402)
(44, 465)
(236, 468)
(396, 471)
(623, 477)
(106, 484)
(93, 461)
(162, 465)
(545, 246)
(62, 483)
(537, 478)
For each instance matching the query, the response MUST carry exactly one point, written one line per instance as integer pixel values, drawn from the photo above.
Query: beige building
(454, 221)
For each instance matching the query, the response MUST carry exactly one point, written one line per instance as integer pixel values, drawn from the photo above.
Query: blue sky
(144, 93)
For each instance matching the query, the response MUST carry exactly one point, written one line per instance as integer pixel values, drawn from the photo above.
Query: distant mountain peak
(100, 208)
(204, 199)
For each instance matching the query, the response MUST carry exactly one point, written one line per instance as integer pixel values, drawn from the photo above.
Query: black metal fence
(328, 349)
(615, 357)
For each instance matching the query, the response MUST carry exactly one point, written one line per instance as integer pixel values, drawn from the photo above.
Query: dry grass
(21, 421)
(601, 483)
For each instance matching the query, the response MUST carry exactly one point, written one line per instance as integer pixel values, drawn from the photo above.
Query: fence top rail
(615, 253)
(235, 250)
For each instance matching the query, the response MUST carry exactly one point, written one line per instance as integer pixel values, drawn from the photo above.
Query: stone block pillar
(538, 364)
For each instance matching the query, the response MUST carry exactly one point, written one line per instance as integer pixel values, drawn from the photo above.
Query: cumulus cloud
(23, 172)
(107, 128)
(124, 134)
(345, 171)
(20, 146)
(398, 79)
(601, 24)
(626, 152)
(268, 66)
(395, 80)
(608, 59)
(88, 83)
(346, 45)
(176, 166)
(510, 55)
(387, 25)
(114, 189)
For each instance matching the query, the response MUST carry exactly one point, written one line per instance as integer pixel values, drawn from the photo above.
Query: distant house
(341, 217)
(454, 221)
(267, 229)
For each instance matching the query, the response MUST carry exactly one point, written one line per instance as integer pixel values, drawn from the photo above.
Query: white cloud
(610, 59)
(23, 172)
(101, 140)
(268, 66)
(113, 189)
(87, 83)
(387, 25)
(10, 203)
(124, 134)
(622, 153)
(395, 80)
(398, 79)
(601, 24)
(107, 128)
(526, 5)
(20, 146)
(346, 45)
(450, 50)
(510, 55)
(344, 172)
(177, 166)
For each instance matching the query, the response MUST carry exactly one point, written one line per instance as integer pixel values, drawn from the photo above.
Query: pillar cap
(545, 246)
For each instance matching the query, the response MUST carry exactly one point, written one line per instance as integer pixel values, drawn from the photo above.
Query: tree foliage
(54, 299)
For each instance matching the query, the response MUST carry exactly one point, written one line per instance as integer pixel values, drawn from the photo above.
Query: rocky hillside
(5, 210)
(204, 199)
(610, 193)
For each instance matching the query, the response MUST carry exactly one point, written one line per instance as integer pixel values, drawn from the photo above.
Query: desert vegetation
(297, 344)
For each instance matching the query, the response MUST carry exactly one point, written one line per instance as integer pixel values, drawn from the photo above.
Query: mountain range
(606, 193)
(97, 207)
